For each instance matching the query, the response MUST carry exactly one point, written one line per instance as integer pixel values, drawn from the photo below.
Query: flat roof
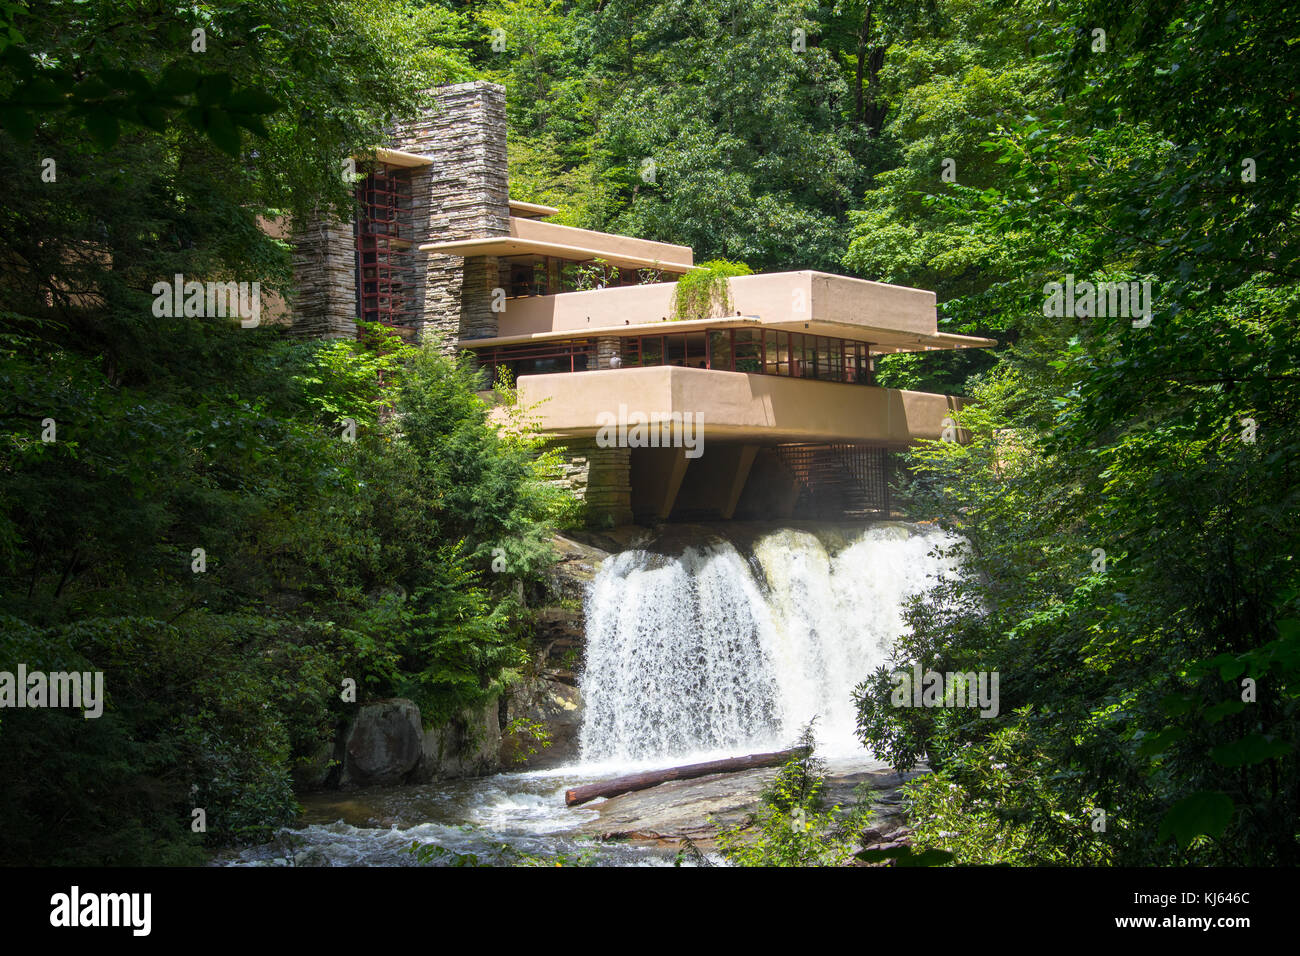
(515, 246)
(394, 157)
(530, 210)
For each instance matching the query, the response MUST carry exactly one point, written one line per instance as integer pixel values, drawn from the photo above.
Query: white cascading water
(711, 653)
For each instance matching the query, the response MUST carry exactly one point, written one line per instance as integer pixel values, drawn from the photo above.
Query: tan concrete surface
(892, 318)
(736, 405)
(532, 236)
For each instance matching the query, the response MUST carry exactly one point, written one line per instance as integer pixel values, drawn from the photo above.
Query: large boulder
(468, 745)
(555, 708)
(313, 772)
(383, 743)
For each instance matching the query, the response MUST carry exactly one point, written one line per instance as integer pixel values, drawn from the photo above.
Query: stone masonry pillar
(324, 271)
(607, 346)
(463, 194)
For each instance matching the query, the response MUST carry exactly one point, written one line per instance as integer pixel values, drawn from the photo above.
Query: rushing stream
(720, 646)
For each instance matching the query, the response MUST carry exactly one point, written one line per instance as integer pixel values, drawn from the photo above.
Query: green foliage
(697, 123)
(1158, 684)
(991, 802)
(325, 558)
(793, 827)
(584, 276)
(706, 293)
(526, 737)
(103, 95)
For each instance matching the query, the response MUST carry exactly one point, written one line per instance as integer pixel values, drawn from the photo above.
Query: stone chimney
(464, 194)
(325, 274)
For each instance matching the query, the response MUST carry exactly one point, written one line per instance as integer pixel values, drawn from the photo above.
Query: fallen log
(652, 778)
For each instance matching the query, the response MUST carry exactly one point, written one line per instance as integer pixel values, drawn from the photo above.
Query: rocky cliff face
(547, 705)
(386, 742)
(535, 725)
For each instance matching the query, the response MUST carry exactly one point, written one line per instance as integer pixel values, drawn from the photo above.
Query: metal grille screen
(839, 480)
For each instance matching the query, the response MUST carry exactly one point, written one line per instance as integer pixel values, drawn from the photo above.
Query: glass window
(720, 350)
(806, 355)
(861, 364)
(749, 357)
(829, 360)
(695, 355)
(772, 358)
(652, 350)
(630, 352)
(676, 345)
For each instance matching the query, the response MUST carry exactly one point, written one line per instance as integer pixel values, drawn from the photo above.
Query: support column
(657, 475)
(324, 272)
(771, 490)
(713, 485)
(463, 194)
(742, 461)
(607, 346)
(609, 490)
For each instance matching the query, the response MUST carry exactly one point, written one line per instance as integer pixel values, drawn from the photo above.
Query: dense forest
(184, 506)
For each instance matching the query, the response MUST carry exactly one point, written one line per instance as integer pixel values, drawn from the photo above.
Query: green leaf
(93, 89)
(1251, 749)
(1231, 669)
(103, 128)
(40, 93)
(1204, 813)
(177, 80)
(213, 88)
(251, 123)
(904, 856)
(18, 122)
(18, 60)
(222, 131)
(153, 117)
(1227, 708)
(252, 101)
(1158, 743)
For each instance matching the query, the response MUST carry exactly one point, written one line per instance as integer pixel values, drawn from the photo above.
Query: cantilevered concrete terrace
(780, 390)
(532, 237)
(737, 406)
(890, 318)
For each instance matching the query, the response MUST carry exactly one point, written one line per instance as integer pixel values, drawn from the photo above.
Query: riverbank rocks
(383, 743)
(468, 745)
(387, 743)
(556, 707)
(313, 772)
(577, 557)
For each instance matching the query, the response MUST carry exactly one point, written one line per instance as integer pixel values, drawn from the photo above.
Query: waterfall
(714, 650)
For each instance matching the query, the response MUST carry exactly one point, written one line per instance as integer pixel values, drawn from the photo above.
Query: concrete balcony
(892, 318)
(736, 406)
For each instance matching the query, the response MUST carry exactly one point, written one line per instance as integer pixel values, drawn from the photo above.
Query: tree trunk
(652, 778)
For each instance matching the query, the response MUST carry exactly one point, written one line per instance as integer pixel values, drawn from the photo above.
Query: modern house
(773, 408)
